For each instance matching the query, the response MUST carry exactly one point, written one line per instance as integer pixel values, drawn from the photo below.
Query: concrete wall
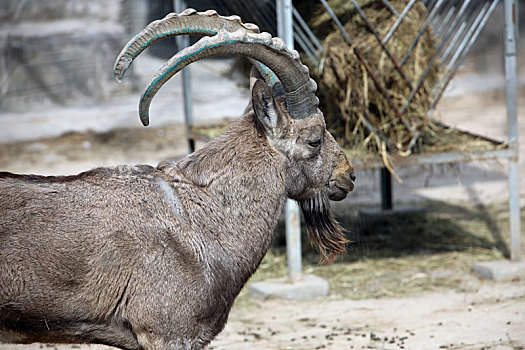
(15, 11)
(58, 51)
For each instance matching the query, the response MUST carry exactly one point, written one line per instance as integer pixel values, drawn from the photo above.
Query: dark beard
(324, 232)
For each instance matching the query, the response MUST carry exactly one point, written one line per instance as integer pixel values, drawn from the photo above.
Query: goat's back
(77, 249)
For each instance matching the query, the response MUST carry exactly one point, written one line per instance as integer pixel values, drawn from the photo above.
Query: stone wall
(58, 51)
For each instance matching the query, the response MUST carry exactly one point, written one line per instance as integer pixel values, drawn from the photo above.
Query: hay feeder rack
(456, 25)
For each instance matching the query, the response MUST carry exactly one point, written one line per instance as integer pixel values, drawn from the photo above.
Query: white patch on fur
(285, 146)
(171, 197)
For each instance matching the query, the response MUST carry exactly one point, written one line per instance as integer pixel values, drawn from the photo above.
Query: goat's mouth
(338, 191)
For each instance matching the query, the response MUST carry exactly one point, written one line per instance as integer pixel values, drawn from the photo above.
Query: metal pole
(428, 20)
(308, 31)
(279, 12)
(293, 241)
(182, 42)
(293, 225)
(391, 8)
(400, 18)
(306, 45)
(372, 30)
(444, 41)
(461, 53)
(386, 189)
(511, 48)
(287, 22)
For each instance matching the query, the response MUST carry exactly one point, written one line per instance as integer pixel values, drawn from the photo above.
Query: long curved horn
(272, 52)
(188, 22)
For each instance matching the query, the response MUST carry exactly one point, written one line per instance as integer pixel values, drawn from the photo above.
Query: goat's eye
(314, 144)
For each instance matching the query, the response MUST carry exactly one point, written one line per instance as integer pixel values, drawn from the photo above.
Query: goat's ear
(266, 108)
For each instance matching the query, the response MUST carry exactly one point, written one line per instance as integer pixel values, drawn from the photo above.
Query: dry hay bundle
(359, 113)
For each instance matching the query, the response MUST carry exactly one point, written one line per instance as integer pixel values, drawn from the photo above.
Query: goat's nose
(352, 176)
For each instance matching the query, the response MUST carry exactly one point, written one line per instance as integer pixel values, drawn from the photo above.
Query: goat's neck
(235, 195)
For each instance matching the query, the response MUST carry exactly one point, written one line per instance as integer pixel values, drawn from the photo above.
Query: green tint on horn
(272, 52)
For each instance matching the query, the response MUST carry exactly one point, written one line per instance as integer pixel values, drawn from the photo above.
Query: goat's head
(283, 102)
(315, 163)
(317, 169)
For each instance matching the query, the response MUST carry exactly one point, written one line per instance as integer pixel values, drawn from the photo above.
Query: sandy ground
(486, 316)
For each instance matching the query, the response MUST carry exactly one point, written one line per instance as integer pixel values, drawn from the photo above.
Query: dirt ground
(489, 316)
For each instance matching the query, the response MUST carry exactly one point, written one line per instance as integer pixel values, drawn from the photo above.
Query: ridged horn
(188, 22)
(272, 52)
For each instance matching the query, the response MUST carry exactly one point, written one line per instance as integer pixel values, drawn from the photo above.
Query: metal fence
(456, 26)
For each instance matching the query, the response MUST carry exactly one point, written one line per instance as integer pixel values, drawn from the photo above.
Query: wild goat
(153, 258)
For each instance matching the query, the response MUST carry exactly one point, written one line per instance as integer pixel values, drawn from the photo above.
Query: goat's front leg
(153, 340)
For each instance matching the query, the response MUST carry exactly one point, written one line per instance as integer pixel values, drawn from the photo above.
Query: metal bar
(514, 211)
(426, 71)
(293, 225)
(398, 21)
(430, 4)
(452, 44)
(287, 24)
(306, 45)
(391, 8)
(293, 241)
(376, 81)
(445, 30)
(421, 31)
(459, 31)
(437, 20)
(413, 141)
(308, 31)
(452, 29)
(386, 189)
(278, 10)
(385, 49)
(511, 48)
(438, 158)
(337, 22)
(183, 41)
(456, 61)
(460, 50)
(444, 22)
(459, 14)
(472, 35)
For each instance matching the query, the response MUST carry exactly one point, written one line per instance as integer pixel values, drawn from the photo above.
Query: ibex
(153, 258)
